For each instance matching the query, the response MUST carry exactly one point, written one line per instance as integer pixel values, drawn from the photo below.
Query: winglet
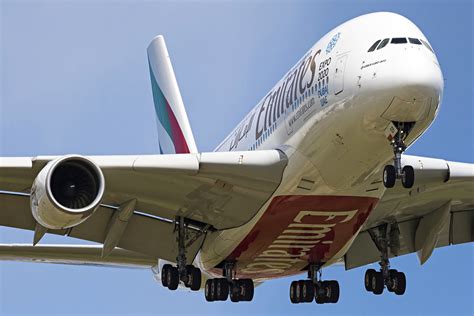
(174, 130)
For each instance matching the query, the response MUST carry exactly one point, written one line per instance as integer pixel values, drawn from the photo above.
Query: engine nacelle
(66, 192)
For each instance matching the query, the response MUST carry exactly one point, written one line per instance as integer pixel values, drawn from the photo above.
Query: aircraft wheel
(222, 289)
(194, 278)
(164, 273)
(332, 291)
(368, 279)
(377, 283)
(392, 283)
(319, 293)
(172, 278)
(293, 290)
(235, 291)
(209, 290)
(401, 284)
(307, 291)
(247, 289)
(408, 177)
(389, 176)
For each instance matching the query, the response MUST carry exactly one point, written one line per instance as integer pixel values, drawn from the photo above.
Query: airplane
(315, 175)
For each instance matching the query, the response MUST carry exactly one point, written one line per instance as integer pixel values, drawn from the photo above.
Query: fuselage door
(339, 74)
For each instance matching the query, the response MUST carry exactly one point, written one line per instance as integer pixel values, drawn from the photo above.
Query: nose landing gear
(397, 134)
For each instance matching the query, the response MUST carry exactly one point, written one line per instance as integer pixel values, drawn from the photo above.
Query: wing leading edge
(213, 190)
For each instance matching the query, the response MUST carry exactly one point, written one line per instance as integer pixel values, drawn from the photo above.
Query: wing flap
(439, 185)
(459, 230)
(147, 235)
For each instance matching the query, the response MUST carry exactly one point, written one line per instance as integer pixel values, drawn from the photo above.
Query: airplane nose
(415, 83)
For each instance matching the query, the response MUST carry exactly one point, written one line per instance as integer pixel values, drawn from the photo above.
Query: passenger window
(399, 40)
(427, 45)
(383, 43)
(414, 41)
(374, 46)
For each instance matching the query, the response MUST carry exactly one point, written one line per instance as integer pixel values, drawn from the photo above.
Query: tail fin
(174, 131)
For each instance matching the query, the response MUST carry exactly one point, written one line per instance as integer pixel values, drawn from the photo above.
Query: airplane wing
(438, 211)
(211, 190)
(76, 255)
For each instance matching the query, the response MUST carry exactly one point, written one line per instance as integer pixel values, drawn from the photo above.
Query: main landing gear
(188, 274)
(219, 289)
(393, 172)
(304, 291)
(385, 237)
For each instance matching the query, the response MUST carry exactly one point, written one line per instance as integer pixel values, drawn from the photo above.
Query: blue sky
(74, 79)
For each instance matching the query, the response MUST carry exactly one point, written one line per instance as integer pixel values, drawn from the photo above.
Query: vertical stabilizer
(174, 131)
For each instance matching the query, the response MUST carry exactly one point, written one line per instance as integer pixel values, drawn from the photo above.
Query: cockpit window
(399, 40)
(374, 46)
(427, 45)
(383, 43)
(414, 41)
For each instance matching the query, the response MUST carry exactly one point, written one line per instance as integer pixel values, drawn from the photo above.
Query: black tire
(214, 289)
(189, 271)
(392, 274)
(164, 272)
(194, 279)
(333, 295)
(208, 291)
(307, 291)
(293, 297)
(389, 176)
(368, 279)
(235, 291)
(299, 291)
(320, 293)
(173, 278)
(401, 284)
(247, 290)
(222, 289)
(408, 177)
(377, 283)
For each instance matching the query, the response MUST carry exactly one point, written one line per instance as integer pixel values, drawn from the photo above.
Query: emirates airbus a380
(314, 175)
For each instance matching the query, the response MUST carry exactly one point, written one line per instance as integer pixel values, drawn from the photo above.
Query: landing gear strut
(188, 274)
(219, 289)
(385, 237)
(304, 291)
(393, 172)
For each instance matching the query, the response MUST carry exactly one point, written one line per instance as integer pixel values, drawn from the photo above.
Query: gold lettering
(290, 260)
(277, 253)
(330, 215)
(281, 241)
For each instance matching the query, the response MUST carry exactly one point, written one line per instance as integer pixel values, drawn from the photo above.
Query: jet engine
(66, 192)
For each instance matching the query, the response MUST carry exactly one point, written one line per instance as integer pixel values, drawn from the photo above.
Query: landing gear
(393, 172)
(304, 291)
(385, 238)
(188, 274)
(219, 289)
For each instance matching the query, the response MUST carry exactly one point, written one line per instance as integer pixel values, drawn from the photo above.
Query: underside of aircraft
(314, 175)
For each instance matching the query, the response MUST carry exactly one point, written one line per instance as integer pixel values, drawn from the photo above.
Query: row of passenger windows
(398, 40)
(294, 106)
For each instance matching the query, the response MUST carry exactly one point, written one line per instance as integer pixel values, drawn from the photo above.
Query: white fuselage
(329, 114)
